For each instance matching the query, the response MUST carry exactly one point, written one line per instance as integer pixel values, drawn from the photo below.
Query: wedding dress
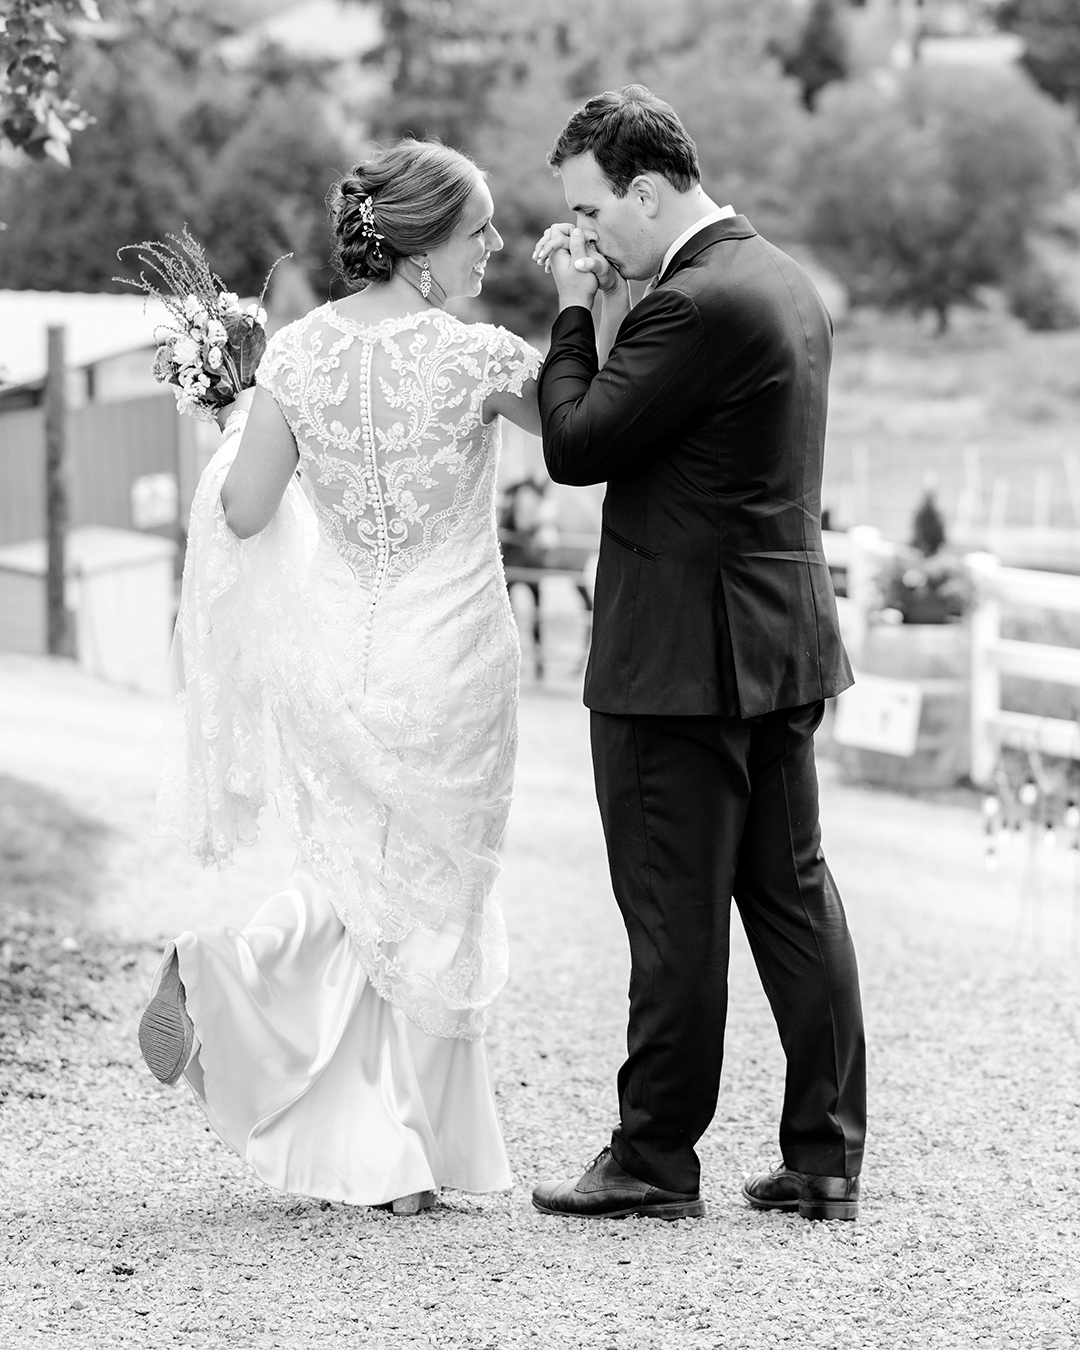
(358, 661)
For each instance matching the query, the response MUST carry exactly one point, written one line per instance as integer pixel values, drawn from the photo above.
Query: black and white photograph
(540, 674)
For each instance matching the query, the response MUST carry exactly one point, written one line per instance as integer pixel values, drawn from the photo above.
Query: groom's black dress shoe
(606, 1191)
(815, 1197)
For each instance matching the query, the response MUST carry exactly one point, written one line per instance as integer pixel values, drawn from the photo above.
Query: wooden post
(56, 498)
(970, 498)
(867, 554)
(999, 507)
(1072, 476)
(1040, 511)
(860, 480)
(985, 677)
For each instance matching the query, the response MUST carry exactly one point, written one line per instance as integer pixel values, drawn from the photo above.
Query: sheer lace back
(358, 657)
(388, 418)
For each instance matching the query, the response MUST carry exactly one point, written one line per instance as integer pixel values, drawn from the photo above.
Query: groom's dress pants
(697, 811)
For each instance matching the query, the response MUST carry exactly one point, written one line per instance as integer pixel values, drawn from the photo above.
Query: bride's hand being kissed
(609, 280)
(557, 236)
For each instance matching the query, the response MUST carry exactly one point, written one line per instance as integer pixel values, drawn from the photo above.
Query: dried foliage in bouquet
(212, 348)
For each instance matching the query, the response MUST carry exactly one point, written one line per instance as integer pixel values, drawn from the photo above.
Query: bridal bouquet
(211, 347)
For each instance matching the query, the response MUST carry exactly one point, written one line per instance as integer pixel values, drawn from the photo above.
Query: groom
(715, 645)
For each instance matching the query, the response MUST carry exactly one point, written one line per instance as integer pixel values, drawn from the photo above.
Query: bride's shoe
(413, 1204)
(166, 1032)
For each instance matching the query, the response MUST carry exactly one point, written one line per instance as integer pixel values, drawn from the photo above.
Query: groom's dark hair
(630, 131)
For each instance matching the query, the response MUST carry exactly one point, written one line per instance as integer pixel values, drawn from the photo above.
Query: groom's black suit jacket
(708, 424)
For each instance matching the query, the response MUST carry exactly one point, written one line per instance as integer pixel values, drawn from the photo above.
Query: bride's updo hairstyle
(397, 204)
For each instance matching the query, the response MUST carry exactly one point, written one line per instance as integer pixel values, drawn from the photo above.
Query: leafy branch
(38, 108)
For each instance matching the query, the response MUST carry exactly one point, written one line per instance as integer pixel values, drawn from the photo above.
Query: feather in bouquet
(212, 346)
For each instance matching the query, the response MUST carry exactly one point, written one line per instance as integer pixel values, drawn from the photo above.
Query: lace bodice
(388, 419)
(358, 657)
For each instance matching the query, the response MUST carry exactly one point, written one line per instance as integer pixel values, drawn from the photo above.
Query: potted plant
(917, 634)
(924, 583)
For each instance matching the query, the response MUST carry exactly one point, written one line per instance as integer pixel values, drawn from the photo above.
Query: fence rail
(860, 554)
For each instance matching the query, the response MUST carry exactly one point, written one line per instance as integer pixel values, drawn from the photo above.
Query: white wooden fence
(861, 552)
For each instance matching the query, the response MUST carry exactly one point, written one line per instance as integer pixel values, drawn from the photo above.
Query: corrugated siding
(112, 444)
(109, 445)
(22, 475)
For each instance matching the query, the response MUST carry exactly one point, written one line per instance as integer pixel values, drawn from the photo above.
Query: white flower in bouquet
(187, 401)
(186, 351)
(214, 349)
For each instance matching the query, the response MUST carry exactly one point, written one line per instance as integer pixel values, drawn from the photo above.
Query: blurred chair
(533, 549)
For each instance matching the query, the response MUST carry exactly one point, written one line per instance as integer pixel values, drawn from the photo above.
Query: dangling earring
(425, 280)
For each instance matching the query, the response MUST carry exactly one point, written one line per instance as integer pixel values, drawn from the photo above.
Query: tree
(127, 182)
(38, 107)
(748, 121)
(1051, 33)
(821, 55)
(243, 156)
(923, 190)
(439, 58)
(264, 194)
(711, 58)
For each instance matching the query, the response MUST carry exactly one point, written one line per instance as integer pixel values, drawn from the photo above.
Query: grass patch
(989, 397)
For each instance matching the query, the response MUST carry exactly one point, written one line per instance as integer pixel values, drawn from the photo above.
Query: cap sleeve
(272, 371)
(510, 363)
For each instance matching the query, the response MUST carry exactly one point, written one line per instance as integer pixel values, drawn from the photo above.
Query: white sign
(878, 713)
(155, 501)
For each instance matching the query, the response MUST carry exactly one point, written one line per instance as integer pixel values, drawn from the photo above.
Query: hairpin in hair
(367, 223)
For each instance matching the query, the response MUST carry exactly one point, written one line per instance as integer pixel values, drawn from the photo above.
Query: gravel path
(128, 1224)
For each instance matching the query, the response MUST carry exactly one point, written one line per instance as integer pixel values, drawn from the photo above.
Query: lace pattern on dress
(392, 439)
(358, 657)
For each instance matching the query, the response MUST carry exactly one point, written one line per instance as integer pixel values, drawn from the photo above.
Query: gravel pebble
(127, 1223)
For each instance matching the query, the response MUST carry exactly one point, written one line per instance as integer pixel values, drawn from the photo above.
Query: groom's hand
(573, 270)
(559, 238)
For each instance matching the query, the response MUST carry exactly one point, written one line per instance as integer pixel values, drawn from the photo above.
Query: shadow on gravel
(52, 965)
(51, 856)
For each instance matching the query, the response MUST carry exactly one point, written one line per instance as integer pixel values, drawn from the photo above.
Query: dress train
(321, 1086)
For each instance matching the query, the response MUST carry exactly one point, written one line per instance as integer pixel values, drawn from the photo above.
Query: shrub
(922, 188)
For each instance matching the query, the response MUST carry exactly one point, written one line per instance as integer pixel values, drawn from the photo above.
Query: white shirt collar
(717, 213)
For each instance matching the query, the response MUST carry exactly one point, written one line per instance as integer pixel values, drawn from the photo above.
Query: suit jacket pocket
(628, 543)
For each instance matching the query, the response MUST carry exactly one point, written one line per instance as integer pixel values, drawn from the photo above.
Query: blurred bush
(820, 54)
(1051, 33)
(923, 187)
(1040, 299)
(716, 61)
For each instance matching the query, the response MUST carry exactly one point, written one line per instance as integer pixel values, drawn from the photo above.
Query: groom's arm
(599, 424)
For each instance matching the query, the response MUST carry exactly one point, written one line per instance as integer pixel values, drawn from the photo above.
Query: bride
(345, 643)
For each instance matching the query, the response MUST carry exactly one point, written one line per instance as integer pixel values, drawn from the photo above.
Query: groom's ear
(644, 188)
